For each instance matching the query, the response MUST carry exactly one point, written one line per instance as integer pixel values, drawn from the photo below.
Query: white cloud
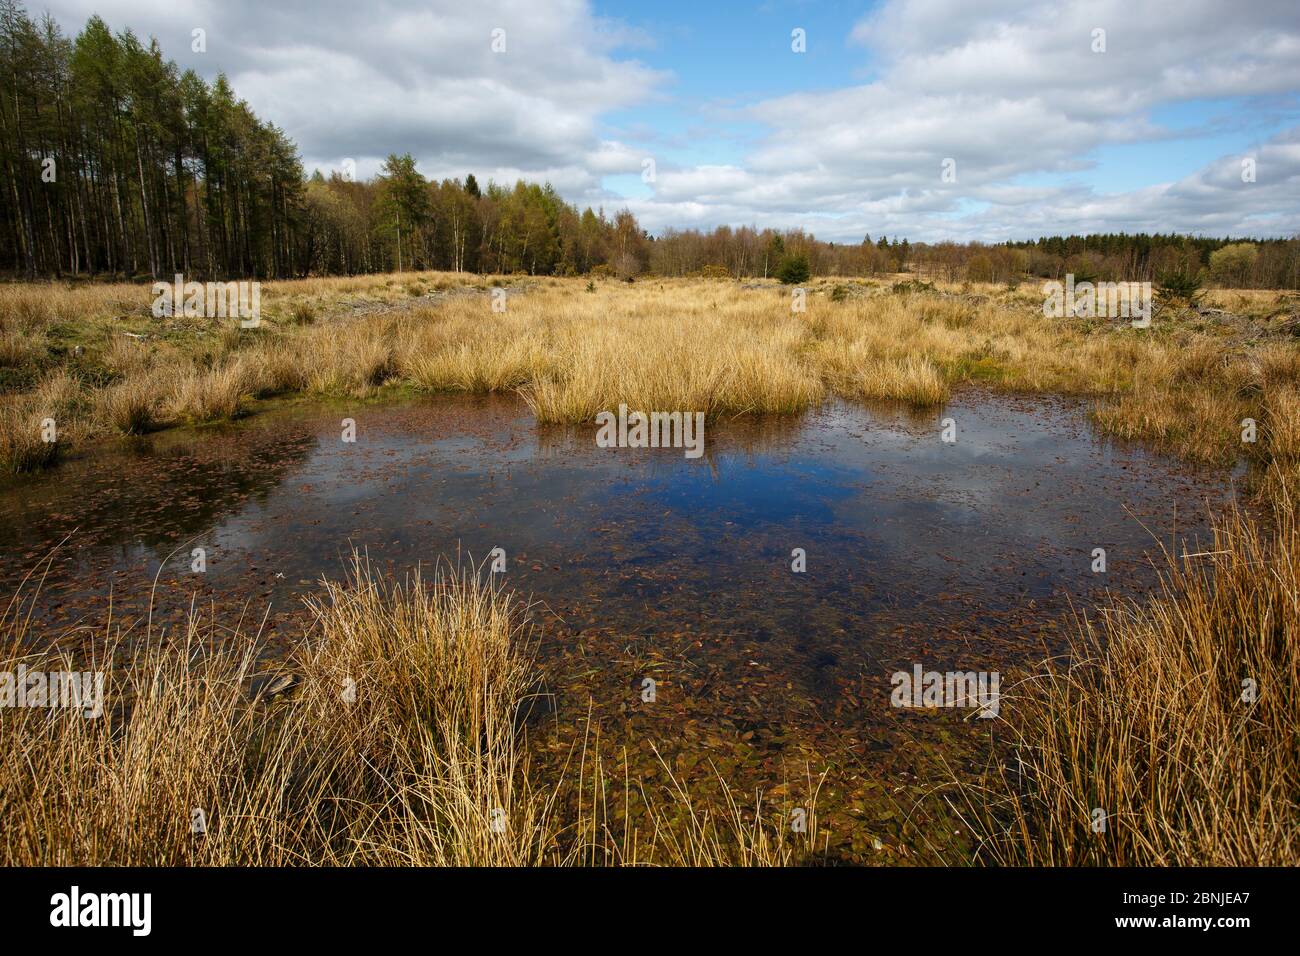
(362, 80)
(1011, 90)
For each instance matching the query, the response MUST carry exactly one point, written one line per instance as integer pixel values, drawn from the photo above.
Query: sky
(925, 119)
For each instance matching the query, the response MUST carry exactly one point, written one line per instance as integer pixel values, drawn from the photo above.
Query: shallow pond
(644, 563)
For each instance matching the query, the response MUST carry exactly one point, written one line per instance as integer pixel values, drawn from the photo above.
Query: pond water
(645, 563)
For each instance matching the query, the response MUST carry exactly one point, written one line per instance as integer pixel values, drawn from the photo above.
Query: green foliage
(1180, 286)
(911, 285)
(1233, 263)
(794, 269)
(119, 162)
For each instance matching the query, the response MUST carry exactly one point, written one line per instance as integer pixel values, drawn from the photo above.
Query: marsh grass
(1150, 720)
(23, 447)
(200, 395)
(1183, 385)
(130, 408)
(401, 740)
(24, 444)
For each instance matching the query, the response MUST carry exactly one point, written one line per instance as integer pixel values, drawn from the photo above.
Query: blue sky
(1045, 132)
(719, 62)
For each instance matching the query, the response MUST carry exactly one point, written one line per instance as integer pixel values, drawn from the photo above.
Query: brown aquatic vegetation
(1171, 734)
(394, 735)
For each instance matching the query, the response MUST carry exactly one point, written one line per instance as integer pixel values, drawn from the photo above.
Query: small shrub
(794, 270)
(911, 285)
(1182, 286)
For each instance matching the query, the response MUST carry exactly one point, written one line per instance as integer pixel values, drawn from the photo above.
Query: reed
(1170, 735)
(394, 735)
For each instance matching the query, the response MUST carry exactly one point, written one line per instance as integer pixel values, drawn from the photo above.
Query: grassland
(1145, 719)
(93, 359)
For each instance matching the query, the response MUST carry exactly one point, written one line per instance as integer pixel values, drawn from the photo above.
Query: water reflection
(645, 562)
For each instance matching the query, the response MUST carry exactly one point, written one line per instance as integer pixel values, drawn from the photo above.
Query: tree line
(1118, 257)
(118, 163)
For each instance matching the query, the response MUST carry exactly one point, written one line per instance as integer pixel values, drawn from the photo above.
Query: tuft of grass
(352, 361)
(131, 408)
(16, 349)
(1177, 717)
(34, 427)
(209, 395)
(23, 444)
(415, 761)
(398, 740)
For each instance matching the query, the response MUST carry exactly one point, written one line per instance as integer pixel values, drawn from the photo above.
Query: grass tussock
(396, 745)
(24, 445)
(35, 427)
(394, 735)
(1185, 384)
(1177, 717)
(130, 408)
(200, 395)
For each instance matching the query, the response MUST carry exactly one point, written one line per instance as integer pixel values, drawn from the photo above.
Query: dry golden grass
(682, 355)
(1178, 717)
(130, 407)
(23, 446)
(400, 741)
(721, 348)
(34, 427)
(411, 762)
(199, 395)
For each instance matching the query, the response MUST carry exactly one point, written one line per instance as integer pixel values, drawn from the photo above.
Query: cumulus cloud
(362, 80)
(1009, 90)
(1012, 91)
